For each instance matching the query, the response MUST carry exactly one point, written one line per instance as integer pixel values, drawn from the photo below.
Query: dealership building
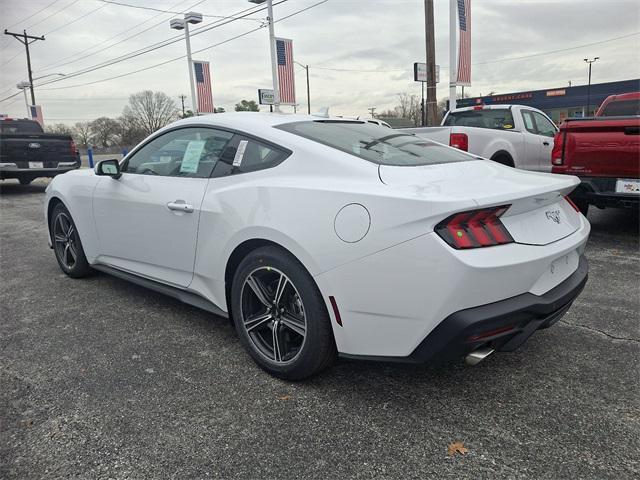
(559, 102)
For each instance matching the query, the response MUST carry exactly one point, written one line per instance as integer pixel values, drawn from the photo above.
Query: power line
(156, 46)
(33, 14)
(77, 57)
(183, 56)
(508, 59)
(122, 4)
(499, 60)
(53, 14)
(65, 25)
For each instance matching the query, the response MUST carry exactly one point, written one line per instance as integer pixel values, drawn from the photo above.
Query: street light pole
(183, 24)
(23, 86)
(589, 84)
(194, 105)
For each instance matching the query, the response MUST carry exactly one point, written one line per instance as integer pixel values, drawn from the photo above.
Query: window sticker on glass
(191, 158)
(165, 158)
(242, 146)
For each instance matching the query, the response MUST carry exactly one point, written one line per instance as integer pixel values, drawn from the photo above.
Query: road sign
(266, 96)
(420, 72)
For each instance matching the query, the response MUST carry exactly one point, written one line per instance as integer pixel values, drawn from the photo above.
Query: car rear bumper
(11, 170)
(500, 326)
(601, 192)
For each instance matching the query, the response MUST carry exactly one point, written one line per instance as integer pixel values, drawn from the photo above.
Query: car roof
(242, 120)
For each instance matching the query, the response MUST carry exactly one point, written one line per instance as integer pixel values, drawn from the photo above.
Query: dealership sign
(420, 72)
(266, 96)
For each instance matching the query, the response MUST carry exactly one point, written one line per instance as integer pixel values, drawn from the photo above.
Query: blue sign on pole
(90, 154)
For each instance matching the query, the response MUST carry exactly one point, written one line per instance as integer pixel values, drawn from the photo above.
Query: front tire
(280, 315)
(66, 243)
(25, 181)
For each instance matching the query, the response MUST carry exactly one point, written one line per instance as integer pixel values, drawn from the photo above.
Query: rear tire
(66, 243)
(280, 315)
(25, 181)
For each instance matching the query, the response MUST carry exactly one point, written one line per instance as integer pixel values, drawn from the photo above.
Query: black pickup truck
(26, 152)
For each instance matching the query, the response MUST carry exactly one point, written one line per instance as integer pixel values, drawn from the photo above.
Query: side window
(544, 126)
(527, 117)
(244, 154)
(186, 152)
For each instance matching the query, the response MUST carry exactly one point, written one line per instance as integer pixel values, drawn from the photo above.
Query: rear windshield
(500, 119)
(13, 126)
(376, 144)
(621, 108)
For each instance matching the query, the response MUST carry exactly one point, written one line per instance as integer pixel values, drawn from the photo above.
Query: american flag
(203, 87)
(36, 114)
(464, 45)
(286, 79)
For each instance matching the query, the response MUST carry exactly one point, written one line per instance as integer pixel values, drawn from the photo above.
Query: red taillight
(74, 149)
(459, 141)
(478, 107)
(475, 228)
(575, 207)
(557, 152)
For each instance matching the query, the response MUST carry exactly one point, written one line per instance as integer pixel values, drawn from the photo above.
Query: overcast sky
(380, 38)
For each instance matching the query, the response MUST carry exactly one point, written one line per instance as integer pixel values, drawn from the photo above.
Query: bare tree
(129, 132)
(58, 128)
(82, 133)
(104, 131)
(150, 111)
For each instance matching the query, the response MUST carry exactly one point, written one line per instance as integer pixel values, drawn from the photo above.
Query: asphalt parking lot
(101, 378)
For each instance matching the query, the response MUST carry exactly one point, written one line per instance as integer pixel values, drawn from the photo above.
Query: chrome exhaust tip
(477, 356)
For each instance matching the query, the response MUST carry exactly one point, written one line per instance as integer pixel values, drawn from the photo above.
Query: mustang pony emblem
(553, 215)
(34, 145)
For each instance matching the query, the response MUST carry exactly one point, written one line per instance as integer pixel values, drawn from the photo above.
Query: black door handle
(545, 143)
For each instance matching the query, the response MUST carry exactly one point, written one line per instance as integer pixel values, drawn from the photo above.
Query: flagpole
(452, 53)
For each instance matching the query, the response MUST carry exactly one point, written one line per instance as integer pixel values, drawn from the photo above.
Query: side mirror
(108, 168)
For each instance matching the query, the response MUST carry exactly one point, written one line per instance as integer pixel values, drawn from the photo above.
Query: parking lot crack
(613, 337)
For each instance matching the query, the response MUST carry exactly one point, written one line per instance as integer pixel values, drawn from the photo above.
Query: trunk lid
(538, 215)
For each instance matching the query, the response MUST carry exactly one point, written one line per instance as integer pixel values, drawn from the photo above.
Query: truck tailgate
(604, 147)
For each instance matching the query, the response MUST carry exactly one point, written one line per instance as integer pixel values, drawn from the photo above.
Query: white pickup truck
(513, 135)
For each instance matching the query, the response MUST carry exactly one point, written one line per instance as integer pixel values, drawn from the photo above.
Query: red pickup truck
(604, 151)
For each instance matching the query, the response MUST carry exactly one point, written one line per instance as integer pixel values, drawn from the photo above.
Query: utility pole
(306, 67)
(371, 110)
(589, 84)
(432, 102)
(308, 91)
(24, 39)
(182, 97)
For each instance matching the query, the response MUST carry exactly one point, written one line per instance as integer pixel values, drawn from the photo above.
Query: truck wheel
(503, 159)
(25, 181)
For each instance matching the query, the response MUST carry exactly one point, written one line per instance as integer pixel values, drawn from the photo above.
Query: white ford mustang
(323, 236)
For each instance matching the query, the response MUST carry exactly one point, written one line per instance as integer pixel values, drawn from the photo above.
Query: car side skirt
(184, 296)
